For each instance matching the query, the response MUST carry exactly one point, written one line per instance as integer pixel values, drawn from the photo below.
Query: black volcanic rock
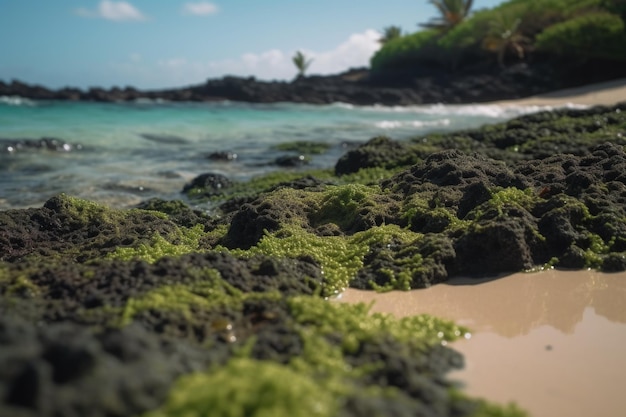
(356, 86)
(207, 184)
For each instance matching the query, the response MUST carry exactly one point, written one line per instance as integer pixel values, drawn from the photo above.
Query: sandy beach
(606, 93)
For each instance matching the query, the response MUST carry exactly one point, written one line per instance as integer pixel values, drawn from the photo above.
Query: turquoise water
(122, 153)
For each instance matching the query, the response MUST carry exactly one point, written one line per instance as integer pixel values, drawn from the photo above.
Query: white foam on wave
(342, 105)
(17, 101)
(395, 124)
(495, 111)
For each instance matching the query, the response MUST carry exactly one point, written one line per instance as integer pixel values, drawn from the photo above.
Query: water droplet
(467, 335)
(440, 335)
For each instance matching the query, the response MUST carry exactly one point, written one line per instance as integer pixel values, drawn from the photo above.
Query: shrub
(615, 6)
(406, 51)
(599, 35)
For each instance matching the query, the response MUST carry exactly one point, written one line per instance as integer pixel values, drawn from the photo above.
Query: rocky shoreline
(356, 86)
(166, 310)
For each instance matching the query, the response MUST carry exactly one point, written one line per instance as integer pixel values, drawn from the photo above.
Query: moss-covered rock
(165, 294)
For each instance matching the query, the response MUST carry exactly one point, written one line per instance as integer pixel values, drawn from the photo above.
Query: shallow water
(133, 151)
(552, 341)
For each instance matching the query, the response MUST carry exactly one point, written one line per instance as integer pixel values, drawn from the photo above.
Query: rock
(356, 86)
(224, 156)
(290, 161)
(207, 185)
(377, 152)
(45, 143)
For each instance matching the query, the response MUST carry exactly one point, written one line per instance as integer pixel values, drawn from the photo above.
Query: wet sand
(551, 341)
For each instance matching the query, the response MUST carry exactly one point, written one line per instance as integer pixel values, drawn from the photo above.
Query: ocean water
(120, 154)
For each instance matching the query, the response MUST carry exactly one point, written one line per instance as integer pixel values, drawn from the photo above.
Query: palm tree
(301, 63)
(504, 37)
(452, 13)
(390, 33)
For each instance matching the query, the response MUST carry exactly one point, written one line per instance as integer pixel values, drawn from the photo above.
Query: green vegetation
(316, 382)
(301, 63)
(580, 30)
(452, 13)
(180, 242)
(390, 33)
(303, 147)
(249, 388)
(594, 35)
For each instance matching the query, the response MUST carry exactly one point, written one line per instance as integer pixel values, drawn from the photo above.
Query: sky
(174, 43)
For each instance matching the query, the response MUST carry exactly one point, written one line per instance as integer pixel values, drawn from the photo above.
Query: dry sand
(552, 341)
(607, 93)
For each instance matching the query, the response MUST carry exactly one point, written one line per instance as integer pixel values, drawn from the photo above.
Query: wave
(485, 110)
(395, 124)
(17, 101)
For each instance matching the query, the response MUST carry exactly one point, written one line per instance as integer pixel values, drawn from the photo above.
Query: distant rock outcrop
(356, 86)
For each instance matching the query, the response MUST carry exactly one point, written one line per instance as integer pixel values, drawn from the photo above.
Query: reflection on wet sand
(513, 305)
(550, 341)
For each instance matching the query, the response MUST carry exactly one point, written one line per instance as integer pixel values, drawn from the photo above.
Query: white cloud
(203, 8)
(274, 64)
(356, 51)
(113, 10)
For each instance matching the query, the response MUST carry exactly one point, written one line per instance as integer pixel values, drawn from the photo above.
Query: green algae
(341, 204)
(317, 381)
(248, 388)
(487, 409)
(18, 285)
(524, 199)
(187, 241)
(421, 207)
(358, 325)
(209, 291)
(303, 147)
(87, 212)
(340, 257)
(369, 176)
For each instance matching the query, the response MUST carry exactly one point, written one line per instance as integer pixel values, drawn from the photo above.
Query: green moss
(340, 204)
(208, 292)
(303, 147)
(248, 388)
(511, 196)
(357, 325)
(486, 409)
(268, 181)
(425, 207)
(369, 176)
(89, 212)
(187, 241)
(340, 257)
(596, 252)
(18, 285)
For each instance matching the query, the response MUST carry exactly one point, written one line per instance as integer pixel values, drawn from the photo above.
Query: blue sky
(168, 43)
